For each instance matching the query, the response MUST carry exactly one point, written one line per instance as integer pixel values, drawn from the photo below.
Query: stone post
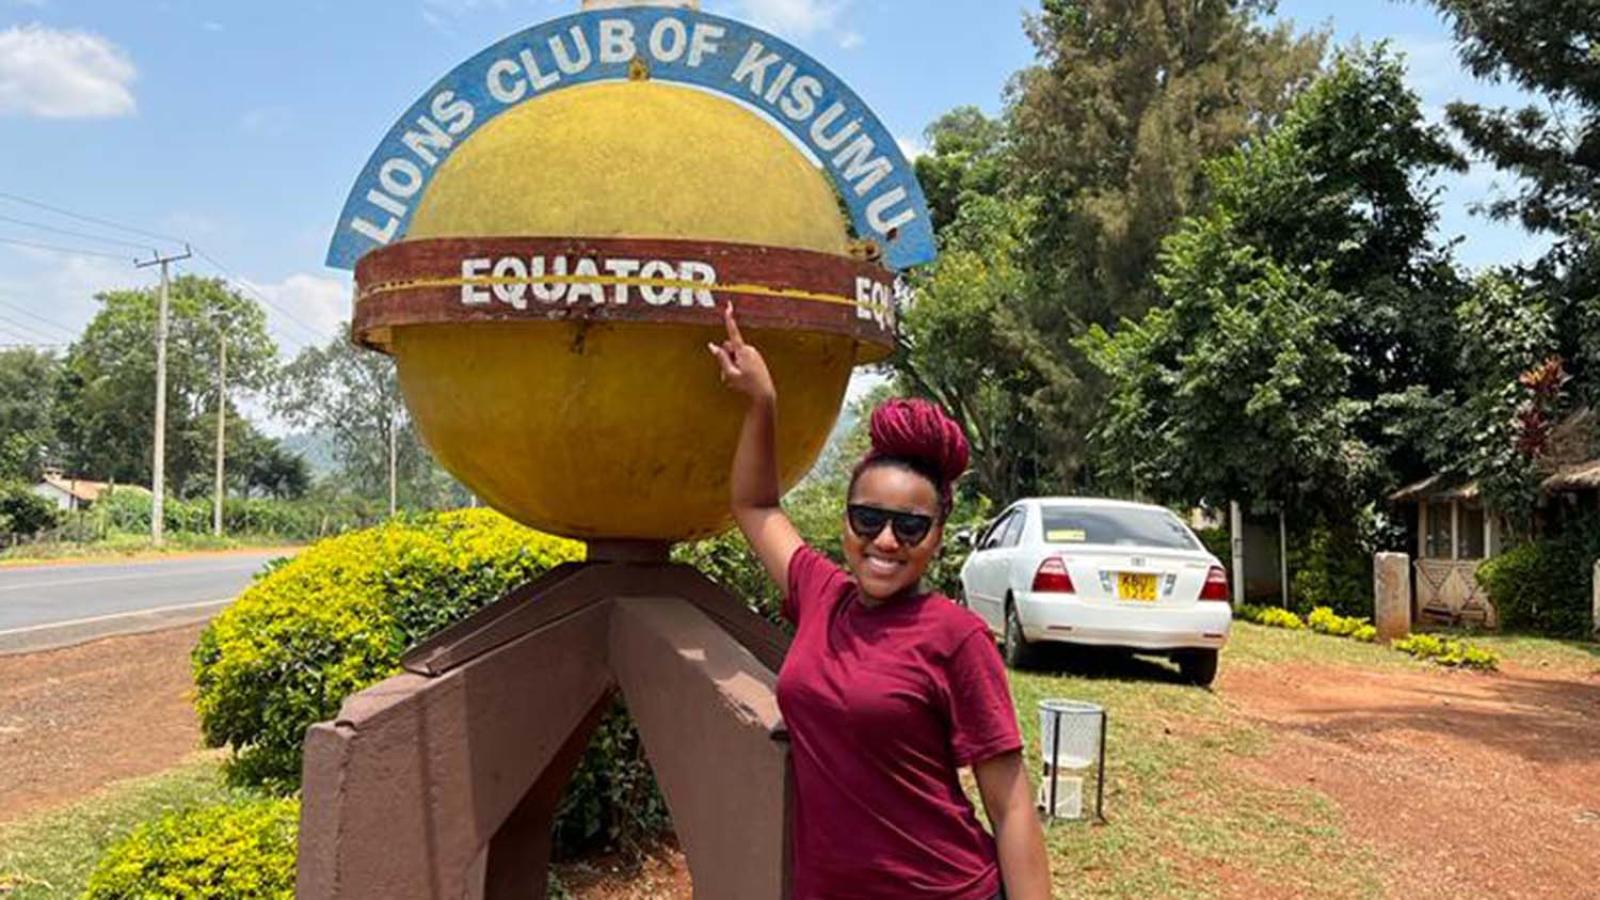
(1594, 621)
(1391, 582)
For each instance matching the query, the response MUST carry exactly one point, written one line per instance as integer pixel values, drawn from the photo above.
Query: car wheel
(1198, 666)
(1019, 653)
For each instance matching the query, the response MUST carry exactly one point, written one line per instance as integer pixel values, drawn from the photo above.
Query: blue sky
(240, 127)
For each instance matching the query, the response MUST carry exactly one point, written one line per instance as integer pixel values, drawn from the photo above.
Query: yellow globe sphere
(619, 430)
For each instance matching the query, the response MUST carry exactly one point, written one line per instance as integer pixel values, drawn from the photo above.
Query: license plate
(1141, 588)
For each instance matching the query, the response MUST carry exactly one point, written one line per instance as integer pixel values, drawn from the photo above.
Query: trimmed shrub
(1326, 621)
(1271, 616)
(336, 619)
(237, 851)
(1448, 652)
(1545, 585)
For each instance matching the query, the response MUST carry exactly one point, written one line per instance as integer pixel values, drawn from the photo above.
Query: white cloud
(850, 40)
(267, 121)
(212, 26)
(321, 304)
(440, 13)
(912, 147)
(63, 74)
(794, 18)
(60, 288)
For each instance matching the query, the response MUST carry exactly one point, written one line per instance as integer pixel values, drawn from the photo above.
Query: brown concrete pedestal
(442, 782)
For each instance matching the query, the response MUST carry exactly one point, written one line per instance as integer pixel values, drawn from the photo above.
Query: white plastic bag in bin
(1071, 743)
(1078, 725)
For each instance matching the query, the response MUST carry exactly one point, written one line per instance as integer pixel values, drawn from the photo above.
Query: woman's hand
(743, 369)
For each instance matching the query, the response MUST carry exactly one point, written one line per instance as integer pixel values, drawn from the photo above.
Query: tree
(1507, 331)
(354, 395)
(965, 159)
(966, 343)
(106, 408)
(269, 470)
(1112, 127)
(1548, 47)
(27, 412)
(22, 512)
(1311, 315)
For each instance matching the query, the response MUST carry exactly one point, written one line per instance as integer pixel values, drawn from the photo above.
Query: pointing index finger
(733, 325)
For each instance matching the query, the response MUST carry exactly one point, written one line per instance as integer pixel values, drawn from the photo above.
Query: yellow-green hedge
(244, 850)
(336, 619)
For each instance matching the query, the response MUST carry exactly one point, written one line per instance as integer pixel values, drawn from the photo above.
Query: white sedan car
(1101, 572)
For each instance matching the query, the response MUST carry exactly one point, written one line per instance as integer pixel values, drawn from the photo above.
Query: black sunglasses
(867, 522)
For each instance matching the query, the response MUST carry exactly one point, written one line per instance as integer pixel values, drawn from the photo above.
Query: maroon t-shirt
(883, 706)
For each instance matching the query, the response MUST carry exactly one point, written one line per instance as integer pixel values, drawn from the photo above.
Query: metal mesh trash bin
(1072, 745)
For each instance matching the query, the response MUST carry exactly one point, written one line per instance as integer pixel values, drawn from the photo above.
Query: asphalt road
(53, 606)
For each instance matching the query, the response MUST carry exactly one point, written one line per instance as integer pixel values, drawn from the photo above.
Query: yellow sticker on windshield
(1066, 536)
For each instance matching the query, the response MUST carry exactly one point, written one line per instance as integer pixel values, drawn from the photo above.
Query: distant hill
(316, 448)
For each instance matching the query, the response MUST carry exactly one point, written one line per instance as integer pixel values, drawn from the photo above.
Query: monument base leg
(443, 781)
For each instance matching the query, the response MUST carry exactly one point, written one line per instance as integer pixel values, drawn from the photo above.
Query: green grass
(1256, 644)
(129, 545)
(1185, 819)
(49, 857)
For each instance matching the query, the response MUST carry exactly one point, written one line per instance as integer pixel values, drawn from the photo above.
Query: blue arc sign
(720, 55)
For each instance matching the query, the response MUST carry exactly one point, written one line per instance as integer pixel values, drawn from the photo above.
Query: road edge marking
(130, 614)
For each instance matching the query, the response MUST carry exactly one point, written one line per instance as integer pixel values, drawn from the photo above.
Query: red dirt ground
(1466, 784)
(76, 719)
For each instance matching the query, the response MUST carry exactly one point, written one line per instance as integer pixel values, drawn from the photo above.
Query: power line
(318, 335)
(26, 330)
(70, 251)
(288, 339)
(70, 233)
(93, 220)
(53, 324)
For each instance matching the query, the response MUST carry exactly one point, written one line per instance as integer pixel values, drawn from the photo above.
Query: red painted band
(511, 279)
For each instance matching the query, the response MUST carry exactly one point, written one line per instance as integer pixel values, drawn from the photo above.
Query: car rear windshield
(1117, 526)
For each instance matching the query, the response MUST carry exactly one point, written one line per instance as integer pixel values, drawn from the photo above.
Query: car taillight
(1052, 577)
(1216, 586)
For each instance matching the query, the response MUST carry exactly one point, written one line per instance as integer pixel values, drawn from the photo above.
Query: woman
(888, 690)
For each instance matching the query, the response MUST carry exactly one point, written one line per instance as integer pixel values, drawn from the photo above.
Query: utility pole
(158, 465)
(222, 423)
(394, 457)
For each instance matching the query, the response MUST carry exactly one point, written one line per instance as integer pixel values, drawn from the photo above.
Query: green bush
(24, 513)
(237, 851)
(337, 618)
(1546, 585)
(1332, 568)
(728, 560)
(1217, 542)
(1447, 652)
(127, 510)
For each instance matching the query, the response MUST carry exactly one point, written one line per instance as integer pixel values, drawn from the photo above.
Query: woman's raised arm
(755, 490)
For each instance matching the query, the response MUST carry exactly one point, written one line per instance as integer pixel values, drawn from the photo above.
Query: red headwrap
(919, 432)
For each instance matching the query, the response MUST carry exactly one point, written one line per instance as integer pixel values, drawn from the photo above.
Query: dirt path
(1468, 785)
(76, 719)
